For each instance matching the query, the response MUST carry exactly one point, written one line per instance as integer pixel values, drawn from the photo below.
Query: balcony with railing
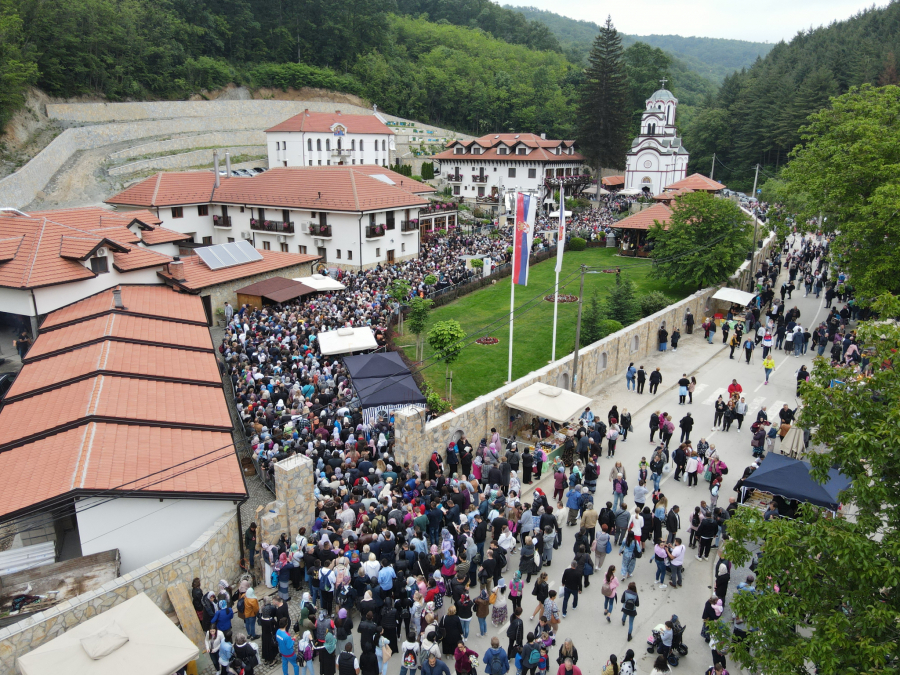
(374, 231)
(556, 181)
(340, 152)
(479, 179)
(221, 221)
(438, 207)
(409, 225)
(278, 226)
(454, 178)
(321, 231)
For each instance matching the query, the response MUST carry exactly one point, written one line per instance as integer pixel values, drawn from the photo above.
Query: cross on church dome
(662, 82)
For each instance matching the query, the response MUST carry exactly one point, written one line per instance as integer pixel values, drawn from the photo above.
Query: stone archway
(562, 380)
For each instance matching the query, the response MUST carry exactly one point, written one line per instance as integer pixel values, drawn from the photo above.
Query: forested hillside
(713, 58)
(757, 113)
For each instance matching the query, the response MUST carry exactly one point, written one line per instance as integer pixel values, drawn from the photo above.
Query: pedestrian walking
(692, 387)
(686, 424)
(683, 388)
(630, 376)
(630, 603)
(676, 336)
(749, 346)
(768, 366)
(641, 379)
(655, 380)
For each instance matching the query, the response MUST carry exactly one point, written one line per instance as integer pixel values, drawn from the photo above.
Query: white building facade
(501, 163)
(656, 158)
(329, 139)
(352, 221)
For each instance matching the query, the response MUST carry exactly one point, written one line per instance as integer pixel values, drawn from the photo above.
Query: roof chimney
(117, 298)
(216, 166)
(543, 137)
(176, 269)
(338, 112)
(306, 112)
(227, 164)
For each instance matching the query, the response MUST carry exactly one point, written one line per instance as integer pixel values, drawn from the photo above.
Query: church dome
(662, 95)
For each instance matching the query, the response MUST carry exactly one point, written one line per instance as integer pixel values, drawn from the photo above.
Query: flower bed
(487, 340)
(562, 298)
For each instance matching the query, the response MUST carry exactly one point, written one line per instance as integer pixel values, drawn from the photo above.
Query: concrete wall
(605, 360)
(216, 139)
(184, 160)
(105, 524)
(213, 556)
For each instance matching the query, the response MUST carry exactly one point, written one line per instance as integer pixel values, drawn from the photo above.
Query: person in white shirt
(676, 562)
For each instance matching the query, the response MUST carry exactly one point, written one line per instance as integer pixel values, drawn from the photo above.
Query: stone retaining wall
(213, 556)
(217, 139)
(597, 364)
(185, 160)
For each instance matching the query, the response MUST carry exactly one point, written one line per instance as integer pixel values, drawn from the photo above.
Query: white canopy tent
(320, 282)
(555, 214)
(135, 637)
(543, 400)
(733, 295)
(629, 192)
(346, 340)
(594, 190)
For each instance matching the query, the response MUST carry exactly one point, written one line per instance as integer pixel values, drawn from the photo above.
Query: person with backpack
(410, 650)
(531, 655)
(496, 661)
(630, 603)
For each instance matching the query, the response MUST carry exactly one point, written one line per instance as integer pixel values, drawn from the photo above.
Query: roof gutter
(9, 209)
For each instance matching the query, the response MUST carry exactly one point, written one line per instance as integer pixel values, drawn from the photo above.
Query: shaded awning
(321, 282)
(790, 478)
(347, 340)
(382, 380)
(613, 180)
(543, 400)
(733, 295)
(594, 190)
(134, 637)
(276, 289)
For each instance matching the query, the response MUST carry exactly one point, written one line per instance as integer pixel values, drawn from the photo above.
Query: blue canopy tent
(790, 478)
(383, 383)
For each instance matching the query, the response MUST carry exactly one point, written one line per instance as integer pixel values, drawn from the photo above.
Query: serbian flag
(526, 206)
(561, 235)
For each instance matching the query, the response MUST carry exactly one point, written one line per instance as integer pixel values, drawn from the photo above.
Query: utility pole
(578, 331)
(755, 212)
(712, 171)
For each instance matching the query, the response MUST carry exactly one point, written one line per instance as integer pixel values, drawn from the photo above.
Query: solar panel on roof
(382, 178)
(228, 255)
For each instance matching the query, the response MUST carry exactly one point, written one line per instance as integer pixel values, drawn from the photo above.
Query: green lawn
(480, 368)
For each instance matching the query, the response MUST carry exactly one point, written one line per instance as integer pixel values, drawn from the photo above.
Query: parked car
(243, 172)
(259, 169)
(6, 380)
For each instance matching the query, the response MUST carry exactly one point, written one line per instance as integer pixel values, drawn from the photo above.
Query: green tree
(622, 303)
(603, 112)
(17, 69)
(645, 66)
(427, 170)
(446, 339)
(418, 319)
(704, 243)
(827, 587)
(848, 160)
(590, 323)
(653, 302)
(399, 293)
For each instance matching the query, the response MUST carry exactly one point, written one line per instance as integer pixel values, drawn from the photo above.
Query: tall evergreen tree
(604, 113)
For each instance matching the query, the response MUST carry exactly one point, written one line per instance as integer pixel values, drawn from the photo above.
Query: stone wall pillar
(294, 486)
(273, 521)
(411, 444)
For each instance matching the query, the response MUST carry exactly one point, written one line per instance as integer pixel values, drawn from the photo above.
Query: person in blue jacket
(222, 619)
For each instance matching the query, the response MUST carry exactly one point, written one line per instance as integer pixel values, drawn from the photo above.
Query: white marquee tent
(543, 400)
(733, 295)
(346, 340)
(135, 637)
(320, 282)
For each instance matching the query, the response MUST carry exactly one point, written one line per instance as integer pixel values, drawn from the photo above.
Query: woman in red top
(463, 659)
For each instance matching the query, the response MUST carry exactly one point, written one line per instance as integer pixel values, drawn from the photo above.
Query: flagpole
(559, 230)
(512, 306)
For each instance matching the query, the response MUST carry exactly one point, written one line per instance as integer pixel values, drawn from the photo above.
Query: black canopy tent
(383, 383)
(790, 478)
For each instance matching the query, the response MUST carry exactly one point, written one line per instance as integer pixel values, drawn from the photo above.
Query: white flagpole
(556, 285)
(512, 306)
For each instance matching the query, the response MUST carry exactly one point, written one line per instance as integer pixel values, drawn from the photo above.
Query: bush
(653, 302)
(477, 262)
(609, 326)
(428, 170)
(298, 75)
(577, 244)
(430, 280)
(418, 178)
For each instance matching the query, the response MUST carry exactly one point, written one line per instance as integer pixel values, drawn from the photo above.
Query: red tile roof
(696, 182)
(96, 217)
(105, 397)
(491, 142)
(670, 195)
(152, 236)
(613, 180)
(150, 301)
(313, 188)
(642, 220)
(98, 457)
(323, 122)
(123, 328)
(50, 253)
(110, 357)
(170, 189)
(197, 275)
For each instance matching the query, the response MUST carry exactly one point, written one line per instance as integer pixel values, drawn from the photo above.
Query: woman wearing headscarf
(343, 626)
(328, 654)
(251, 611)
(514, 484)
(306, 645)
(222, 619)
(268, 558)
(247, 652)
(283, 567)
(296, 570)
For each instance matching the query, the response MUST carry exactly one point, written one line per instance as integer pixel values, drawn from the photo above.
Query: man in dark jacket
(673, 524)
(515, 633)
(686, 424)
(655, 380)
(250, 543)
(571, 582)
(707, 530)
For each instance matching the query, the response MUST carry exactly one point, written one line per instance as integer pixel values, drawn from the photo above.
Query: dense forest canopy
(713, 58)
(757, 114)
